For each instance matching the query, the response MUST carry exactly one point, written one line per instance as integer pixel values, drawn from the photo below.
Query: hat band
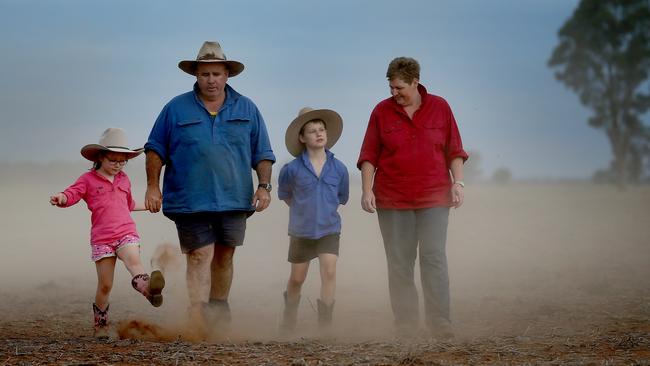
(118, 147)
(210, 57)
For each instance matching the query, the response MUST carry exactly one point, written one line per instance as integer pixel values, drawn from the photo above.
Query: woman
(411, 145)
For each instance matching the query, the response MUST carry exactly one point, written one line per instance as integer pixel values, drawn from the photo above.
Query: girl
(313, 185)
(107, 192)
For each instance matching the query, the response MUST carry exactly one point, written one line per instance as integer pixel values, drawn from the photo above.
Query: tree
(604, 57)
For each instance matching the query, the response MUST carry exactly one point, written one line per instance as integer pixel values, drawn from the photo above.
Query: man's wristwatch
(460, 183)
(266, 186)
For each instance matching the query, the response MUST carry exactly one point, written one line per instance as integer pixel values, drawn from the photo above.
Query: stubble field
(540, 274)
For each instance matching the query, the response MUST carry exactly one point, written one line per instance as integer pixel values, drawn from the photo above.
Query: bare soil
(540, 274)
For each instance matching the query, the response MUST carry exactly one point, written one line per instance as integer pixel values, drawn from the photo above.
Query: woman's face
(404, 93)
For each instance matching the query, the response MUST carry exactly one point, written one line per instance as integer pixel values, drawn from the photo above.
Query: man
(411, 164)
(208, 139)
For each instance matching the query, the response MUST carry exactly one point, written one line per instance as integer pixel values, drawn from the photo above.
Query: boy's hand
(58, 199)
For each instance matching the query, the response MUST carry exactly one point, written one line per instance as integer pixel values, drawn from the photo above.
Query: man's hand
(153, 199)
(261, 199)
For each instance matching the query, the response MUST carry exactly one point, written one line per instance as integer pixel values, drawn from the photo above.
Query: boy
(313, 185)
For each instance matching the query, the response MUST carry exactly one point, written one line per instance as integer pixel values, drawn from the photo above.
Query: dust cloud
(521, 257)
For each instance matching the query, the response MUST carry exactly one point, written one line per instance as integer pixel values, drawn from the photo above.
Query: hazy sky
(71, 68)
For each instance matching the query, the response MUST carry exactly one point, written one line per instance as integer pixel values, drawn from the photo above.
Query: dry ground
(540, 274)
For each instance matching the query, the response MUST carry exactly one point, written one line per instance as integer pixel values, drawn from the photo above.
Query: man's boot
(218, 317)
(101, 322)
(324, 314)
(290, 314)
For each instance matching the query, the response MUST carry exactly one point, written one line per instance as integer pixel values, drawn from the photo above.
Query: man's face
(404, 93)
(212, 78)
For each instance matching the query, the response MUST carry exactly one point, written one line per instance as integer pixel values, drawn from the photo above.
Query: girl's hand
(58, 199)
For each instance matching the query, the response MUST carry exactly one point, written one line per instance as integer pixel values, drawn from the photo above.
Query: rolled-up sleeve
(260, 142)
(454, 142)
(370, 148)
(158, 137)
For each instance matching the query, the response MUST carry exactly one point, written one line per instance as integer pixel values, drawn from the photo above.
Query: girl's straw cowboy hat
(113, 139)
(211, 52)
(333, 122)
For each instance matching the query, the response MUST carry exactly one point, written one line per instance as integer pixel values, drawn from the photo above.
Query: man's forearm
(263, 170)
(153, 166)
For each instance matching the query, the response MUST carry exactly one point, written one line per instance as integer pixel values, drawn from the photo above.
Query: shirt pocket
(331, 184)
(394, 134)
(237, 130)
(97, 195)
(434, 131)
(189, 131)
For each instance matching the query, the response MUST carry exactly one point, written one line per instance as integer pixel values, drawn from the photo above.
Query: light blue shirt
(313, 200)
(208, 160)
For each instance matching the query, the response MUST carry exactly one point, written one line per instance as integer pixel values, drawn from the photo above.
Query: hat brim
(92, 151)
(332, 119)
(234, 67)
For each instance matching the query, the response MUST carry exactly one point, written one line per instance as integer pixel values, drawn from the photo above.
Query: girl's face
(314, 135)
(113, 162)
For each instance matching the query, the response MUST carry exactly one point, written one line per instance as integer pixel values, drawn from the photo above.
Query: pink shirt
(110, 203)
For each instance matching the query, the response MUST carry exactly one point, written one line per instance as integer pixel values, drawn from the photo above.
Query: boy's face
(314, 135)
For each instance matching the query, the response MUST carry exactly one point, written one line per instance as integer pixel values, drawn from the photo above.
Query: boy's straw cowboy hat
(333, 122)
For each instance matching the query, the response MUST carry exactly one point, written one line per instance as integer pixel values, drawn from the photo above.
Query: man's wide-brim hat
(113, 139)
(211, 52)
(332, 120)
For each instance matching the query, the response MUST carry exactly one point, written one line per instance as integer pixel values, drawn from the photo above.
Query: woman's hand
(368, 201)
(457, 195)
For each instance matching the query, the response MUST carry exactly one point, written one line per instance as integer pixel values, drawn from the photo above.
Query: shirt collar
(304, 158)
(423, 97)
(117, 176)
(231, 95)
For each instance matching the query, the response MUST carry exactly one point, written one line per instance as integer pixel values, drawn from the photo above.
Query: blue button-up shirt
(208, 160)
(313, 200)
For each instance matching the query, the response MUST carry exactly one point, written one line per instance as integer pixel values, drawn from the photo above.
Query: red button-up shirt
(412, 157)
(110, 203)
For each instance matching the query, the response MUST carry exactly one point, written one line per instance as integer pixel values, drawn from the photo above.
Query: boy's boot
(150, 286)
(290, 314)
(324, 314)
(101, 322)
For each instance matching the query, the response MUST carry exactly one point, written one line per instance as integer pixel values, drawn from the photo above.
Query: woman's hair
(302, 129)
(405, 68)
